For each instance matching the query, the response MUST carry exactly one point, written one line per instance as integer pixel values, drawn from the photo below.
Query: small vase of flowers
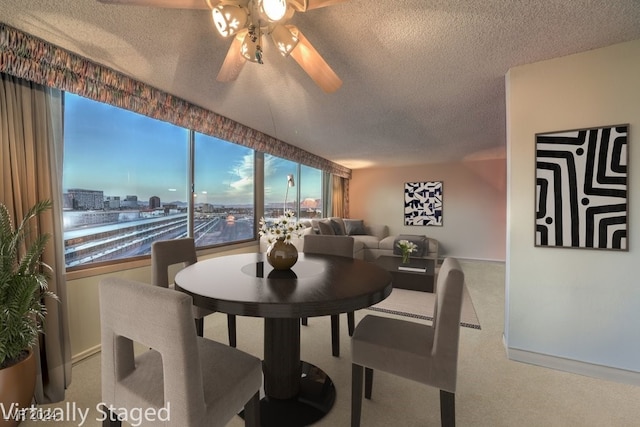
(407, 248)
(281, 254)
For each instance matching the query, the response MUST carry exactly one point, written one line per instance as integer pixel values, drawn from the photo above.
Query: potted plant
(23, 288)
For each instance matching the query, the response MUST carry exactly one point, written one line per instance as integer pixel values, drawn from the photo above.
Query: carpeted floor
(492, 390)
(420, 305)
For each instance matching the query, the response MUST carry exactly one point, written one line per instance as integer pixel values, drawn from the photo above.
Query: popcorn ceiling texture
(424, 80)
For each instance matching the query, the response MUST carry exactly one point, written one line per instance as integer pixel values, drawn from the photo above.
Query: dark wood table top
(246, 285)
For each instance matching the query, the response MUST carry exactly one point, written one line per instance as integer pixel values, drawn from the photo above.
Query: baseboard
(499, 261)
(85, 354)
(575, 367)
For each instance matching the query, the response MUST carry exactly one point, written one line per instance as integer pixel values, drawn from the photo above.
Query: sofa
(370, 240)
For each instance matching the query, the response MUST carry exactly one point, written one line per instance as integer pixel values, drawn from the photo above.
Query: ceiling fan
(248, 22)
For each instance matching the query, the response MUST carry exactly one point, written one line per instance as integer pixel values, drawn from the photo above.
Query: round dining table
(296, 393)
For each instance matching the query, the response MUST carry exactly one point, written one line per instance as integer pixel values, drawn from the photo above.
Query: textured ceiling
(423, 79)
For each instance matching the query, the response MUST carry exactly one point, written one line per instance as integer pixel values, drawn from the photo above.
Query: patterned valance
(28, 57)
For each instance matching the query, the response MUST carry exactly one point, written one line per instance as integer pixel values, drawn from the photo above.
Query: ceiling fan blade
(170, 4)
(234, 60)
(304, 5)
(310, 60)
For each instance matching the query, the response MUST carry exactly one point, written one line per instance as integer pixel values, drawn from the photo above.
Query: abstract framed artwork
(581, 188)
(423, 203)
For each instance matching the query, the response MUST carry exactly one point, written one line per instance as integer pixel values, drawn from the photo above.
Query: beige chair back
(165, 253)
(446, 317)
(160, 319)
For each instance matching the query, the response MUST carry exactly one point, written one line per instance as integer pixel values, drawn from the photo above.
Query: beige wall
(574, 309)
(474, 204)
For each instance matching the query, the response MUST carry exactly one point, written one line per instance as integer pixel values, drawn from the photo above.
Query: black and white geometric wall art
(581, 188)
(423, 203)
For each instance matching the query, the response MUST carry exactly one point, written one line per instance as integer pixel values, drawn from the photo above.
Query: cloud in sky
(123, 153)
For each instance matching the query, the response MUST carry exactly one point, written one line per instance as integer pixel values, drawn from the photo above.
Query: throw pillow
(325, 227)
(337, 228)
(354, 227)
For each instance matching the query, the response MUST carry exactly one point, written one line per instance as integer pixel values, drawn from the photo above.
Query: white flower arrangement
(281, 229)
(407, 249)
(407, 246)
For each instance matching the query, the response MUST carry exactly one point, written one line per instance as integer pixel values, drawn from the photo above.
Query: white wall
(474, 204)
(576, 309)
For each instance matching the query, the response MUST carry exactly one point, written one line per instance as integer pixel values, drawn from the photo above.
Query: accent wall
(473, 204)
(572, 309)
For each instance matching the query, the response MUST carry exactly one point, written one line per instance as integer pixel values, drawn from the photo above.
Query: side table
(419, 277)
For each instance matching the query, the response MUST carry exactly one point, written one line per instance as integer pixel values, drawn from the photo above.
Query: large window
(224, 192)
(310, 192)
(304, 197)
(126, 184)
(126, 180)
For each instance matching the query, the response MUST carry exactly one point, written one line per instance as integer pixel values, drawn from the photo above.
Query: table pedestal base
(315, 399)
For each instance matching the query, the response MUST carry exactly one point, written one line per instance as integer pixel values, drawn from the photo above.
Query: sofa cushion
(325, 227)
(338, 226)
(354, 227)
(369, 242)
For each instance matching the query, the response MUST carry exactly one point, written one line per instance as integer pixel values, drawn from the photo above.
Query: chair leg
(252, 411)
(200, 327)
(356, 394)
(368, 382)
(231, 320)
(447, 409)
(305, 321)
(351, 322)
(335, 335)
(110, 419)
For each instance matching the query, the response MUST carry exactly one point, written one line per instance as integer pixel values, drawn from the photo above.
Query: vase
(282, 255)
(405, 257)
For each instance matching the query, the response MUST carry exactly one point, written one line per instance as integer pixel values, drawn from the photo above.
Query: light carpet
(419, 305)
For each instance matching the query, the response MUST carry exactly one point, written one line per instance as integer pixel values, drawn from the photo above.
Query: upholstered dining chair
(164, 254)
(424, 353)
(339, 246)
(184, 380)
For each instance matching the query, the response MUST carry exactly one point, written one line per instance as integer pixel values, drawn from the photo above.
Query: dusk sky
(124, 153)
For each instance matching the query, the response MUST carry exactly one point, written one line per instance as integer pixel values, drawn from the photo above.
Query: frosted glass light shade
(229, 19)
(273, 9)
(284, 39)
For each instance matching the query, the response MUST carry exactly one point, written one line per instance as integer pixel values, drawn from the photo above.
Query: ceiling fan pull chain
(258, 47)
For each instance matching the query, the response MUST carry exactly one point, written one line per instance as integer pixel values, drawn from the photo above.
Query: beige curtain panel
(31, 164)
(340, 197)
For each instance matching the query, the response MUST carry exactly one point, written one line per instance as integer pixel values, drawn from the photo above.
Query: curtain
(31, 146)
(340, 197)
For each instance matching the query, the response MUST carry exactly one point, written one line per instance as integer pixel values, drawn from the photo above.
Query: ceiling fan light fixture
(229, 19)
(251, 48)
(275, 10)
(284, 39)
